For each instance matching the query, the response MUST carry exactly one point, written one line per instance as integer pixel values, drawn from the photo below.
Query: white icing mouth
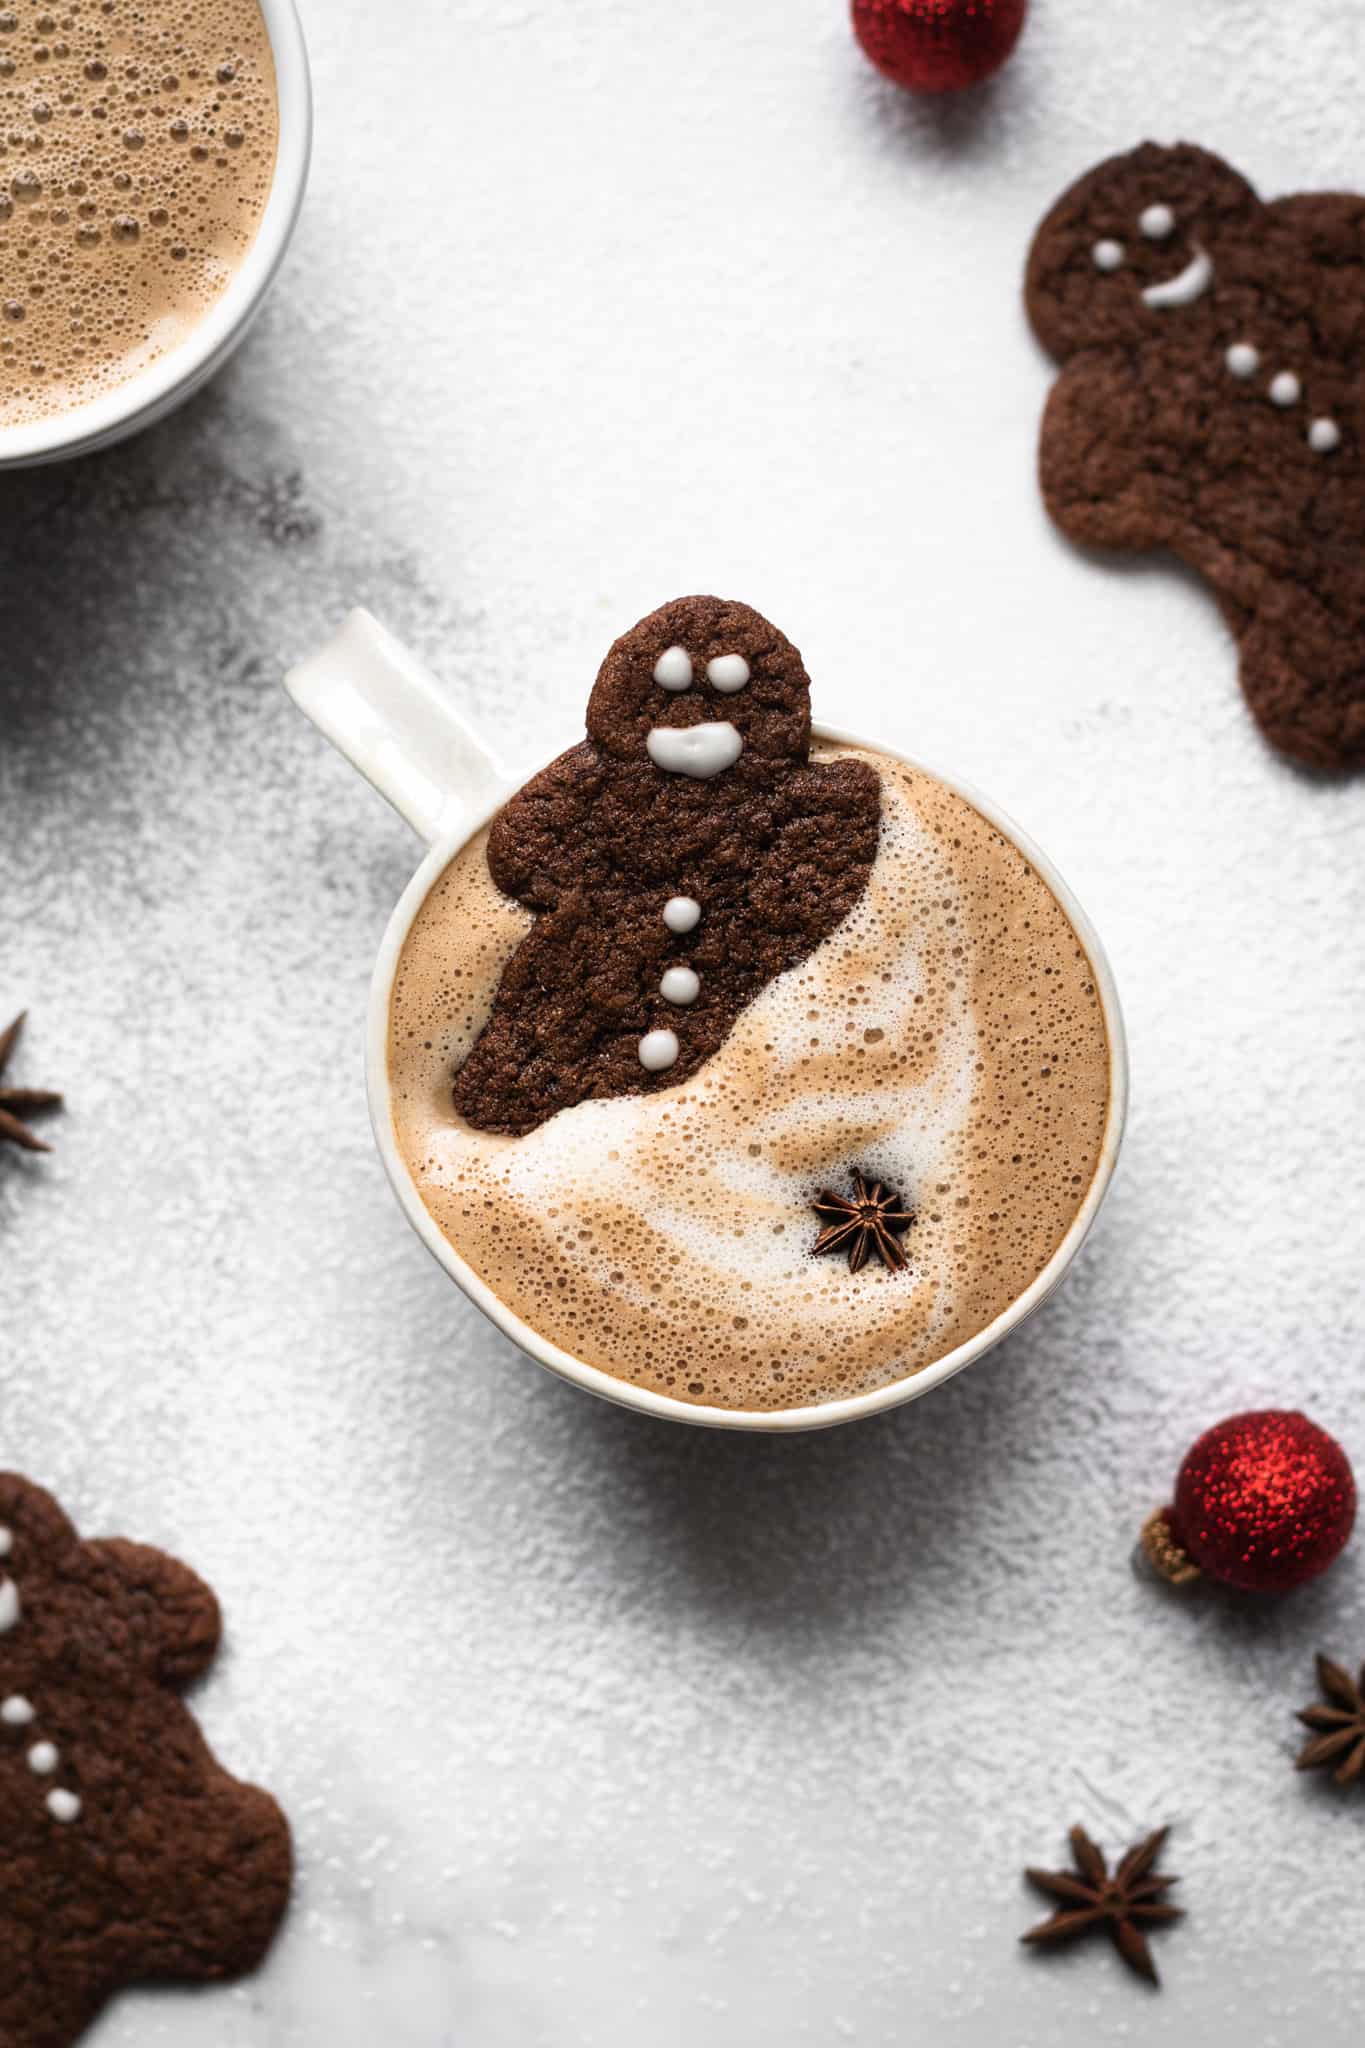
(697, 750)
(1188, 285)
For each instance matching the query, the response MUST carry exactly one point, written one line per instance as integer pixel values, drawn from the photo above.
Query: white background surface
(596, 1731)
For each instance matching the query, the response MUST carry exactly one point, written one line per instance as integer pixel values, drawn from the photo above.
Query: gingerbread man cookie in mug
(130, 1852)
(1212, 347)
(677, 861)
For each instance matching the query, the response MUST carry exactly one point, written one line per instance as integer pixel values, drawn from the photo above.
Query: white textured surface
(595, 1731)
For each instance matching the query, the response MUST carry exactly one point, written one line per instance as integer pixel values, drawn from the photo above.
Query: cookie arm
(535, 842)
(171, 1613)
(1332, 223)
(33, 1520)
(1094, 454)
(822, 853)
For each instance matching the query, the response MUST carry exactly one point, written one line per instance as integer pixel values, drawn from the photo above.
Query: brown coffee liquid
(948, 1038)
(137, 149)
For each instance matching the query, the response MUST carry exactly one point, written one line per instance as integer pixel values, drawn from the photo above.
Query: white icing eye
(1324, 436)
(1285, 388)
(63, 1805)
(1242, 359)
(1156, 222)
(673, 669)
(1107, 255)
(728, 672)
(42, 1758)
(16, 1712)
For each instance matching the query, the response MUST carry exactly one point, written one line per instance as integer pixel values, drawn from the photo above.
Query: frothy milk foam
(137, 151)
(948, 1037)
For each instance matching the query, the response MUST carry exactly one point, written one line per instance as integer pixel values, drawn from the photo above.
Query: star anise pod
(17, 1103)
(871, 1220)
(1125, 1904)
(1340, 1737)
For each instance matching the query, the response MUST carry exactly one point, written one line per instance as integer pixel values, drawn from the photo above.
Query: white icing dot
(1107, 255)
(1324, 436)
(63, 1805)
(16, 1711)
(682, 913)
(42, 1758)
(6, 1540)
(673, 669)
(728, 672)
(9, 1604)
(1156, 222)
(697, 750)
(1285, 388)
(1242, 359)
(680, 985)
(658, 1050)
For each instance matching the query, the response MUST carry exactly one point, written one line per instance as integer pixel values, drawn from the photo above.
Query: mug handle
(379, 706)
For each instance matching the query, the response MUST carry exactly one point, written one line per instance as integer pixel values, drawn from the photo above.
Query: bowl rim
(173, 376)
(770, 1421)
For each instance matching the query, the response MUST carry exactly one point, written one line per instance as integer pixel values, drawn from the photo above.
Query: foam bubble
(137, 151)
(947, 1038)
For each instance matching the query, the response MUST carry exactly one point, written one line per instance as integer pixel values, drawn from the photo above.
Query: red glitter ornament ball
(938, 45)
(1263, 1502)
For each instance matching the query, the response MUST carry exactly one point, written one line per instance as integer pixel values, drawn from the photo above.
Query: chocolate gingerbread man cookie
(1210, 402)
(682, 857)
(129, 1853)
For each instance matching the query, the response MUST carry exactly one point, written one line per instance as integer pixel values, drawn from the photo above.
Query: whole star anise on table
(18, 1103)
(1124, 1904)
(1340, 1727)
(871, 1220)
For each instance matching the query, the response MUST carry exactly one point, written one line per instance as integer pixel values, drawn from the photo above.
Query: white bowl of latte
(150, 393)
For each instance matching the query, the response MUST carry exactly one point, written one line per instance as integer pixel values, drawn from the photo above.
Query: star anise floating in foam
(1125, 1905)
(1339, 1736)
(870, 1220)
(18, 1103)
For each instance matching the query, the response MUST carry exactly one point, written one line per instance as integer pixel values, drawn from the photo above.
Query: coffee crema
(137, 152)
(948, 1038)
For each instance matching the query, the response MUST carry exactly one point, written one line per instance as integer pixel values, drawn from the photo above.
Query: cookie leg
(1305, 682)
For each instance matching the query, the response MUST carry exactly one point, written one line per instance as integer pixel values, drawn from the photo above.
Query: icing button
(1156, 222)
(680, 985)
(658, 1051)
(1242, 359)
(682, 913)
(63, 1805)
(1285, 388)
(1107, 255)
(42, 1758)
(1324, 436)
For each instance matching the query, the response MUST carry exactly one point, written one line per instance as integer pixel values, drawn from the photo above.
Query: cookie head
(1134, 244)
(699, 686)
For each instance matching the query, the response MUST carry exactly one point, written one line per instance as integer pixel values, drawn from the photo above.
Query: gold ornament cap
(1166, 1557)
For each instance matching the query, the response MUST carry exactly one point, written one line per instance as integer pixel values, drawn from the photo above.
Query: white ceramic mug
(167, 382)
(386, 714)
